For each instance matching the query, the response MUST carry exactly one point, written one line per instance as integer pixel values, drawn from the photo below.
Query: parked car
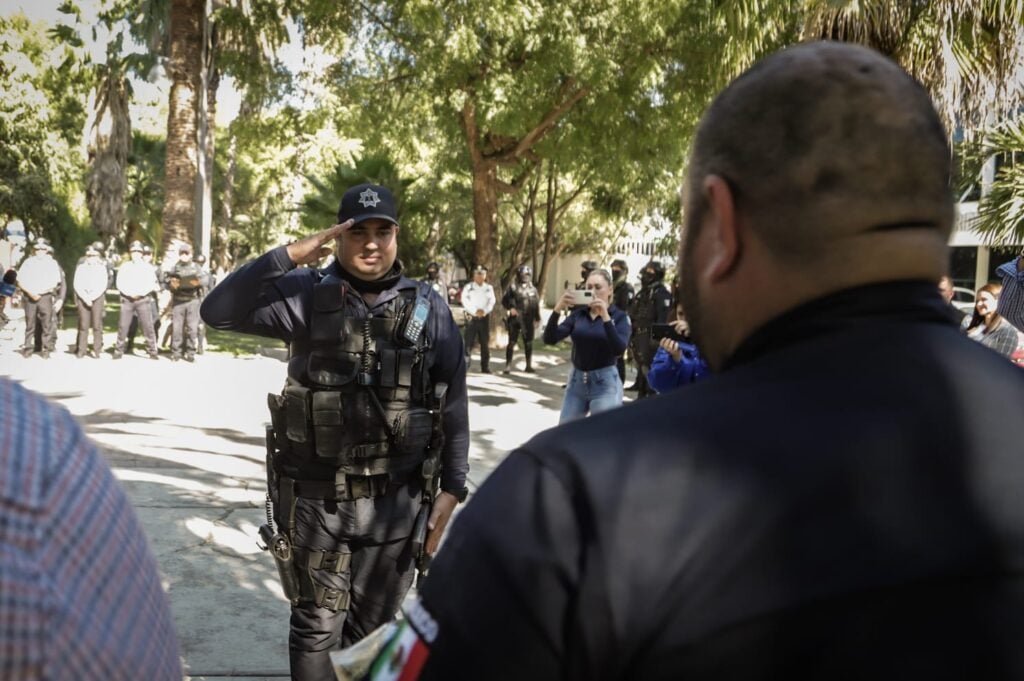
(963, 299)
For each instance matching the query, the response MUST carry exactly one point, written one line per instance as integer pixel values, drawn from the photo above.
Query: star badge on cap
(369, 199)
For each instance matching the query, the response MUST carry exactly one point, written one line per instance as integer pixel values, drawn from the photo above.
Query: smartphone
(582, 297)
(659, 331)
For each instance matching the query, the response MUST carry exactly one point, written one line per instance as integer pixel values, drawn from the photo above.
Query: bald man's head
(823, 141)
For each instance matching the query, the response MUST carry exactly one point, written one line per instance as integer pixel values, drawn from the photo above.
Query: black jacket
(845, 500)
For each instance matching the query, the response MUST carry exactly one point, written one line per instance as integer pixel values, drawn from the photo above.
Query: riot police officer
(522, 305)
(622, 298)
(434, 279)
(40, 278)
(375, 400)
(185, 280)
(208, 283)
(586, 267)
(650, 306)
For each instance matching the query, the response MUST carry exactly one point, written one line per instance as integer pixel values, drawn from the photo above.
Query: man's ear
(726, 241)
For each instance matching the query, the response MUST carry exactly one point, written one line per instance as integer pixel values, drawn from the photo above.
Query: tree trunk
(549, 228)
(222, 254)
(211, 77)
(184, 66)
(108, 154)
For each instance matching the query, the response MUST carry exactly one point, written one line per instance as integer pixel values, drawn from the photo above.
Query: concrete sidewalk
(186, 440)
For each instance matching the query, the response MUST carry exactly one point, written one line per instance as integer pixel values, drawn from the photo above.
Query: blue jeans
(591, 391)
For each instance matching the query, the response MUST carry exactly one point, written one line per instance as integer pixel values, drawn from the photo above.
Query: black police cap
(366, 202)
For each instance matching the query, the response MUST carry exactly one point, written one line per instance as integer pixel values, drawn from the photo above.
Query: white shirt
(478, 297)
(137, 279)
(39, 274)
(90, 280)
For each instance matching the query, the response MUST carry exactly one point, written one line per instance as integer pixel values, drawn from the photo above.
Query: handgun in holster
(280, 499)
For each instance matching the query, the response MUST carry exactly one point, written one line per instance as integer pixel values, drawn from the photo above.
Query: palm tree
(184, 67)
(144, 198)
(108, 150)
(1001, 209)
(968, 53)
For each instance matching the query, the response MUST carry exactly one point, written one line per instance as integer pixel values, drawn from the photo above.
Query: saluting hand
(315, 247)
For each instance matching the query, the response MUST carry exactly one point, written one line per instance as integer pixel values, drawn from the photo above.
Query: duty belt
(344, 488)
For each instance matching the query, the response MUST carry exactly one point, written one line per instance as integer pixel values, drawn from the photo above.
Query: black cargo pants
(376, 532)
(184, 327)
(41, 312)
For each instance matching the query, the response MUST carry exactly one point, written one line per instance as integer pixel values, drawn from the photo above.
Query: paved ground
(186, 440)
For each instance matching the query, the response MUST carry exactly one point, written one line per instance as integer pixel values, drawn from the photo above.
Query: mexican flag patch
(407, 648)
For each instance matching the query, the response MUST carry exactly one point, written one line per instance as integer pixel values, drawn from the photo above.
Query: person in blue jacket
(676, 363)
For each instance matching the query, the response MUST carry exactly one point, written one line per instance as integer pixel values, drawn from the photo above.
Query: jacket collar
(898, 301)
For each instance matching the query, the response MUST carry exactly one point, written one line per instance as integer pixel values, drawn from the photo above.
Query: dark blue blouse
(596, 344)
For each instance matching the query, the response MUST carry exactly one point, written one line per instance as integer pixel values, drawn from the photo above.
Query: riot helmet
(524, 274)
(433, 269)
(619, 269)
(652, 272)
(586, 267)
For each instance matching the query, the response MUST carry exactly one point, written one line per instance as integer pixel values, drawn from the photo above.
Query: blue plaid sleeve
(1011, 300)
(80, 593)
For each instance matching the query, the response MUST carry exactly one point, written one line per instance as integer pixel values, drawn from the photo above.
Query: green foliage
(320, 206)
(1001, 209)
(41, 118)
(144, 195)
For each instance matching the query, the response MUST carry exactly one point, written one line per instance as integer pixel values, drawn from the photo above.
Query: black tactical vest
(363, 405)
(525, 298)
(642, 312)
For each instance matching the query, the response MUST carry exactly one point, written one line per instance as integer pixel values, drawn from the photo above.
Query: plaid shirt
(80, 594)
(1003, 338)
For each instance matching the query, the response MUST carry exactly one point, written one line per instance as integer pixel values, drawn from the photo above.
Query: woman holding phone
(600, 333)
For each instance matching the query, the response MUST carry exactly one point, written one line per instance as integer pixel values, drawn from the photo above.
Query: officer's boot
(529, 359)
(508, 360)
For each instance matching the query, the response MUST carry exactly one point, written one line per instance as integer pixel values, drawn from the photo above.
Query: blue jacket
(666, 374)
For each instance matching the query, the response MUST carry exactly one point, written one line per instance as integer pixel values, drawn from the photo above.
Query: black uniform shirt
(270, 297)
(843, 501)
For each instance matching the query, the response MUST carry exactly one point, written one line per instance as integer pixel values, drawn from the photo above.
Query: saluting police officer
(185, 281)
(650, 306)
(40, 279)
(376, 393)
(136, 281)
(522, 303)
